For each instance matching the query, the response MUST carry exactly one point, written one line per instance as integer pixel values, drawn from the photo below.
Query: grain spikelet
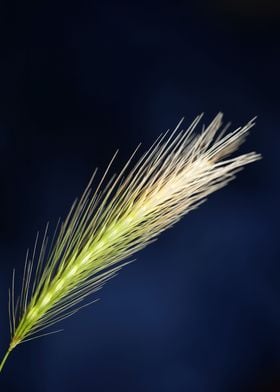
(107, 226)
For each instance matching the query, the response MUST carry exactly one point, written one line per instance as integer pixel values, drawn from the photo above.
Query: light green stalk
(5, 359)
(105, 227)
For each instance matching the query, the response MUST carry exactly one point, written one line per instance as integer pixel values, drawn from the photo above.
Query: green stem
(4, 359)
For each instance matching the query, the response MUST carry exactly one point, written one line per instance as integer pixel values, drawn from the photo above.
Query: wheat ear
(107, 226)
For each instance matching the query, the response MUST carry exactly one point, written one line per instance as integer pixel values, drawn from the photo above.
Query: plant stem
(4, 359)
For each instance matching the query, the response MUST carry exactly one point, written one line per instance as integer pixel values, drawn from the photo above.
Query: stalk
(5, 359)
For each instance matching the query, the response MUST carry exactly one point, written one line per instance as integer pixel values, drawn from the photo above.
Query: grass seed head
(107, 226)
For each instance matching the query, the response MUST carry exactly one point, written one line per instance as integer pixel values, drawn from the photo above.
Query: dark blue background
(200, 309)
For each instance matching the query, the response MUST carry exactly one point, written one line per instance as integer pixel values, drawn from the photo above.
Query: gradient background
(200, 309)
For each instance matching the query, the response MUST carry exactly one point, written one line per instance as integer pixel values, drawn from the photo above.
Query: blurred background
(200, 309)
